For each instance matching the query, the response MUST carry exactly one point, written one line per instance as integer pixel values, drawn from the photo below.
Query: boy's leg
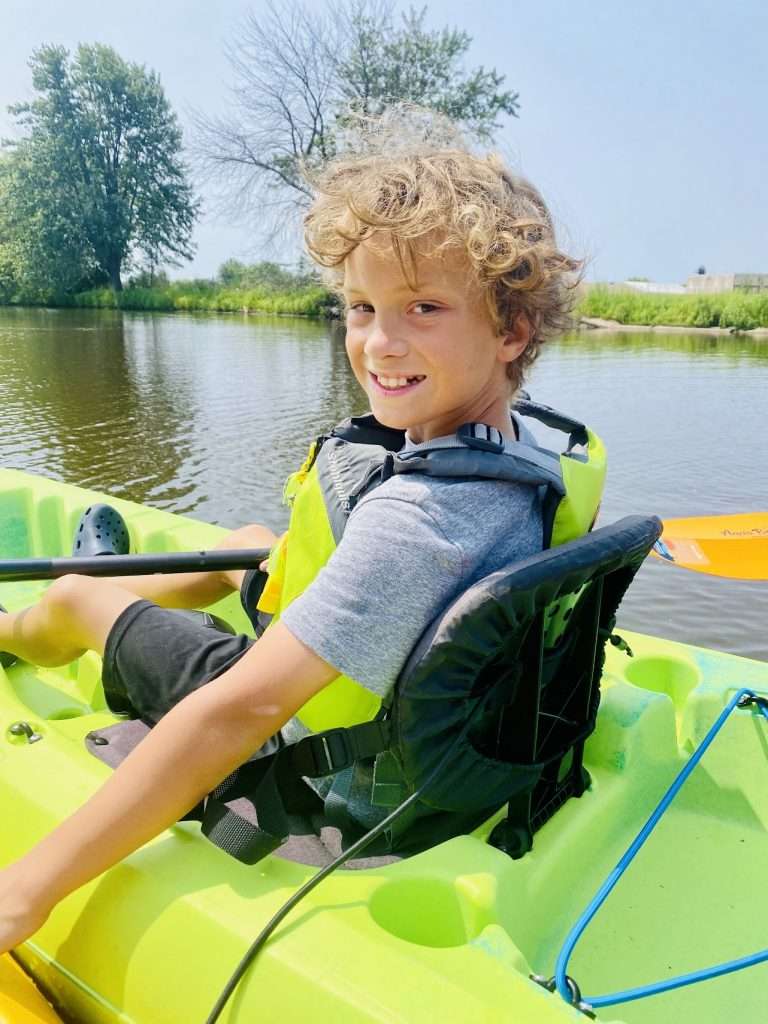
(198, 589)
(253, 536)
(75, 614)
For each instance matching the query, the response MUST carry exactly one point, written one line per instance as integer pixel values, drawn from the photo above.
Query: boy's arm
(196, 745)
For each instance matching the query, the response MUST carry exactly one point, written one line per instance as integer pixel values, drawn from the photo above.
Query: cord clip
(748, 699)
(575, 993)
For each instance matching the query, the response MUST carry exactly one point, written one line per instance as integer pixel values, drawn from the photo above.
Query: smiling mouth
(396, 384)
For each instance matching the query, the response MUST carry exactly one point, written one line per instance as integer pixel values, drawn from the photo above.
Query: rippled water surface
(206, 415)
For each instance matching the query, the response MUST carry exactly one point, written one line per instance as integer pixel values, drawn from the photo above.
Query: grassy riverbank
(310, 300)
(729, 310)
(293, 295)
(738, 310)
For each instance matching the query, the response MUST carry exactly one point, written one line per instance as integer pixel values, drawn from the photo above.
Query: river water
(207, 414)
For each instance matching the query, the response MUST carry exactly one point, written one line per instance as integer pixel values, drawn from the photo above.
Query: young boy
(451, 279)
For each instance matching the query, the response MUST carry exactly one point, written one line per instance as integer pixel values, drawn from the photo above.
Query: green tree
(300, 71)
(232, 273)
(97, 181)
(384, 63)
(42, 248)
(268, 276)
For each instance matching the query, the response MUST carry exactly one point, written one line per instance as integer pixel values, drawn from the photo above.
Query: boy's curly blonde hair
(435, 198)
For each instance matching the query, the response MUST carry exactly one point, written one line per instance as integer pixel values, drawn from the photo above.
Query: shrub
(737, 310)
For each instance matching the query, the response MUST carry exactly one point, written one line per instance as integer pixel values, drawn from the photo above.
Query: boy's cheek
(354, 346)
(356, 359)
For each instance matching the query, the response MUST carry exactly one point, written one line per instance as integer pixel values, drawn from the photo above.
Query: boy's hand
(21, 913)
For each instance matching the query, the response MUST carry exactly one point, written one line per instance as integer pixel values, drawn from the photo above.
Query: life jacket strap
(528, 465)
(333, 750)
(274, 784)
(480, 435)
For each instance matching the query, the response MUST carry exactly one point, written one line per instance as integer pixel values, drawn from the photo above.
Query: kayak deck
(450, 934)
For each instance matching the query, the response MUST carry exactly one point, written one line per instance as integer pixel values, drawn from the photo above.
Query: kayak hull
(20, 1002)
(451, 934)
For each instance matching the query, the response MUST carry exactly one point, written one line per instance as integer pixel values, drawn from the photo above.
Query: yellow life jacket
(360, 454)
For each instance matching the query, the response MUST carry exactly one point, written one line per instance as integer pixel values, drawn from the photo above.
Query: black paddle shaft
(132, 565)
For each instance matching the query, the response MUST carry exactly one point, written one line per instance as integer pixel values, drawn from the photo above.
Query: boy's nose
(385, 340)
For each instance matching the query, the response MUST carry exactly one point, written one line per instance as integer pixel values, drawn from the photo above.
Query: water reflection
(739, 346)
(206, 415)
(196, 414)
(86, 402)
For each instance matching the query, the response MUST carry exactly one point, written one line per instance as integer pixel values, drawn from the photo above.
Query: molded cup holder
(425, 911)
(664, 674)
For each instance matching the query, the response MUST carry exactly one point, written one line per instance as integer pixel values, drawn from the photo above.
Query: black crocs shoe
(101, 531)
(6, 658)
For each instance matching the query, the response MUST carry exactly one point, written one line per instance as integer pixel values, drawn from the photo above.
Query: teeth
(397, 382)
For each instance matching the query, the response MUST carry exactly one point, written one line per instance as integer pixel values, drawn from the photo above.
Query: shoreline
(594, 323)
(580, 322)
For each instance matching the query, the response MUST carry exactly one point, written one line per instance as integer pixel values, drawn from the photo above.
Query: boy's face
(429, 360)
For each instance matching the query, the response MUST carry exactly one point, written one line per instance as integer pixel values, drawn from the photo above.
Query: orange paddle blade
(734, 545)
(20, 1002)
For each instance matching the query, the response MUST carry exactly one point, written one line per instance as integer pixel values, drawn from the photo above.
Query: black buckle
(387, 467)
(329, 752)
(480, 435)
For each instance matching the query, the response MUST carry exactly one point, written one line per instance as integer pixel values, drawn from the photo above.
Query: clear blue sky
(645, 125)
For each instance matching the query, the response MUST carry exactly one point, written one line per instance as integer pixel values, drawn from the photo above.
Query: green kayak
(451, 934)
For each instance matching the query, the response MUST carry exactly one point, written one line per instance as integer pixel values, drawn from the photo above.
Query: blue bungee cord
(564, 984)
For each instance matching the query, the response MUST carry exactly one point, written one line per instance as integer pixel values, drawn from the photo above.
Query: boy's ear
(516, 340)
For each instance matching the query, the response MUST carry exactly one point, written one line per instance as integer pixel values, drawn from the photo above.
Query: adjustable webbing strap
(249, 814)
(527, 465)
(535, 467)
(326, 753)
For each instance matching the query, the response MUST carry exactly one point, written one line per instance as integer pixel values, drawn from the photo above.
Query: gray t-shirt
(409, 548)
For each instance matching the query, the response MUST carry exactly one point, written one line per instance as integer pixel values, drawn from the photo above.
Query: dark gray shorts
(154, 657)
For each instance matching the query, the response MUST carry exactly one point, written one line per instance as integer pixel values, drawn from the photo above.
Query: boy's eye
(422, 308)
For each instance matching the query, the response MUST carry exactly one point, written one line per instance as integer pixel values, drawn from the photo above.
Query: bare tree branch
(300, 72)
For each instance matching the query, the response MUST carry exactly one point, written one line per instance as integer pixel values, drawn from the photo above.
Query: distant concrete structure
(696, 283)
(728, 283)
(654, 287)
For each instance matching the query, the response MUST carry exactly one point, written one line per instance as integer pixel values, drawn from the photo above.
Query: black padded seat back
(539, 689)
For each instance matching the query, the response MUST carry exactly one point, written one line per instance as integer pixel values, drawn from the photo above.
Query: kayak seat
(492, 710)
